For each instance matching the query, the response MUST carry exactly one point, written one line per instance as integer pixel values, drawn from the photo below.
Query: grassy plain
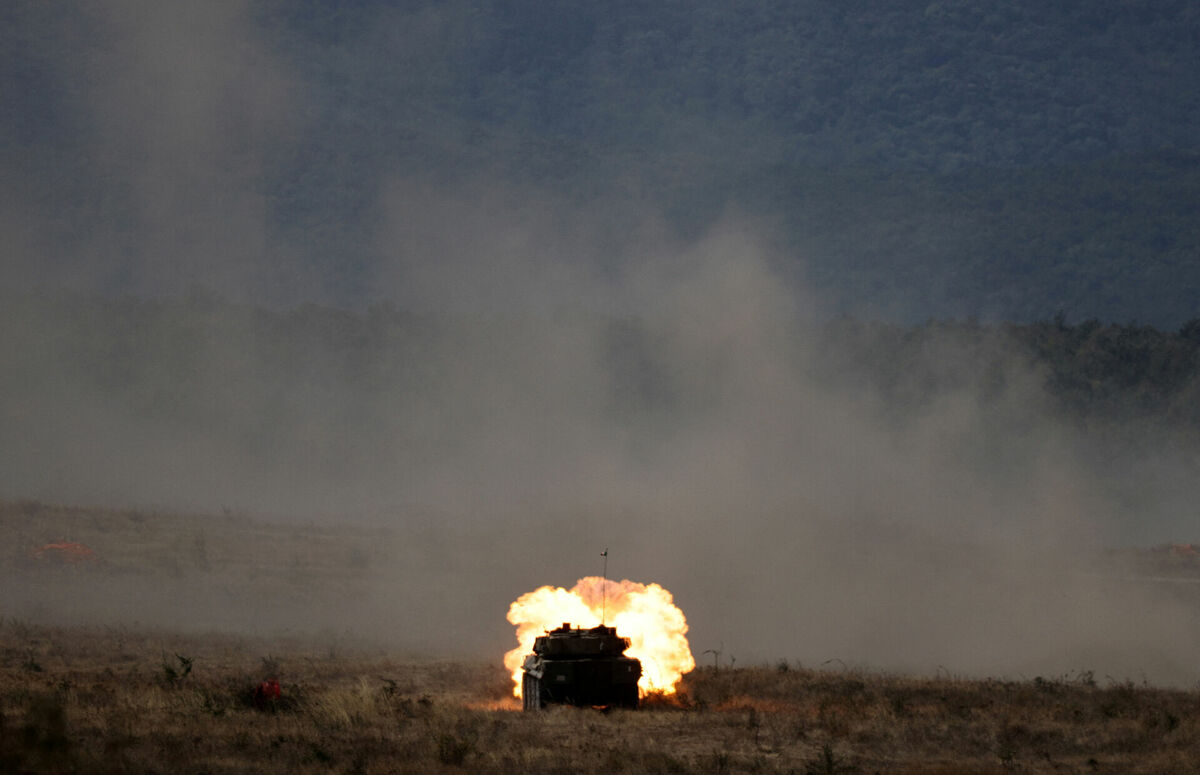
(117, 700)
(82, 691)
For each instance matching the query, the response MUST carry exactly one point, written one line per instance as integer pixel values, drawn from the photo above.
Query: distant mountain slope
(1005, 159)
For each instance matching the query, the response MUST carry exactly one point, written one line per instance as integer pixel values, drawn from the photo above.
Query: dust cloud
(555, 376)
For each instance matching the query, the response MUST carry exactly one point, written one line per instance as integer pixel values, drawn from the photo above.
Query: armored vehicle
(576, 666)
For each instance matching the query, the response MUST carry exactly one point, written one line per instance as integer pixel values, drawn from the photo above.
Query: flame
(644, 613)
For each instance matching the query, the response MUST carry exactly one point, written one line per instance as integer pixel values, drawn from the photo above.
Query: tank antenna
(604, 590)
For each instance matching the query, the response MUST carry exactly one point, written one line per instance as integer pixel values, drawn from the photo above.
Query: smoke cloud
(563, 374)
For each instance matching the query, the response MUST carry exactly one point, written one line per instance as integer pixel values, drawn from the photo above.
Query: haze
(571, 371)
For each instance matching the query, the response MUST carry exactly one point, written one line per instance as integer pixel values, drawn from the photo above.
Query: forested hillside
(1093, 374)
(1008, 160)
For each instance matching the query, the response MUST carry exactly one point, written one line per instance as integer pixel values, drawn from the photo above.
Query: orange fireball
(644, 613)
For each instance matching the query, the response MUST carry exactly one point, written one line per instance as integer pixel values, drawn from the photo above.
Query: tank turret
(577, 666)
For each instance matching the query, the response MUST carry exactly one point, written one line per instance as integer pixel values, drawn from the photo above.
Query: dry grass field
(117, 700)
(136, 660)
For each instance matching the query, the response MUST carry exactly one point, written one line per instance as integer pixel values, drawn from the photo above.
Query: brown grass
(117, 700)
(144, 544)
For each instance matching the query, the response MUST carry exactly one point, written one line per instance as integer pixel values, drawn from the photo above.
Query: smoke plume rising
(548, 375)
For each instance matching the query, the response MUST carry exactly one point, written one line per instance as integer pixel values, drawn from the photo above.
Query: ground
(84, 689)
(118, 700)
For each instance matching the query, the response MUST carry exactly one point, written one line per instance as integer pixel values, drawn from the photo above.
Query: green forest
(1007, 160)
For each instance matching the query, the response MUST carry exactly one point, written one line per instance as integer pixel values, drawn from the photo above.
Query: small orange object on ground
(64, 551)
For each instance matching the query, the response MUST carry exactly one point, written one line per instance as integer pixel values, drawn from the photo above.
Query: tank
(577, 666)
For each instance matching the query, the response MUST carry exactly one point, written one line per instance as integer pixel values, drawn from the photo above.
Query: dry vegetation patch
(118, 700)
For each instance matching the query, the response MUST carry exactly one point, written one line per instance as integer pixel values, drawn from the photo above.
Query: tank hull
(586, 682)
(580, 667)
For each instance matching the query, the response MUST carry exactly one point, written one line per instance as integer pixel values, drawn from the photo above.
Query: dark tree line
(190, 360)
(1091, 372)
